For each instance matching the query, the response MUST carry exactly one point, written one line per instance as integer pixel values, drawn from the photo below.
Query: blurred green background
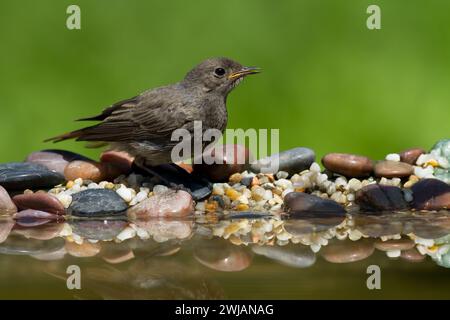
(329, 83)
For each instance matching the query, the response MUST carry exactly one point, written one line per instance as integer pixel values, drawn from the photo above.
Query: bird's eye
(219, 71)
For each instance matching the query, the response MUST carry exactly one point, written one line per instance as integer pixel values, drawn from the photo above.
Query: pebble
(168, 204)
(122, 161)
(83, 250)
(348, 164)
(27, 217)
(394, 245)
(392, 169)
(293, 255)
(424, 173)
(125, 193)
(346, 251)
(291, 161)
(6, 204)
(227, 160)
(40, 201)
(222, 256)
(303, 203)
(375, 198)
(393, 157)
(431, 194)
(54, 160)
(91, 170)
(97, 202)
(410, 155)
(23, 175)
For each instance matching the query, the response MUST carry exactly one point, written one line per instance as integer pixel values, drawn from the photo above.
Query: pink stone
(167, 204)
(6, 204)
(39, 201)
(55, 160)
(91, 170)
(35, 214)
(119, 159)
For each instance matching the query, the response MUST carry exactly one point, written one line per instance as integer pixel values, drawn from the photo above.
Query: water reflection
(161, 258)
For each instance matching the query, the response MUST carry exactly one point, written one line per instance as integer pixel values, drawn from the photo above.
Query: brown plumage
(143, 125)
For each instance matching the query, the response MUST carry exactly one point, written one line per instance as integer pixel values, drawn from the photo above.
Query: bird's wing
(151, 116)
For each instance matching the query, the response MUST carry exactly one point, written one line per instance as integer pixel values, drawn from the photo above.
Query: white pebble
(315, 167)
(93, 185)
(282, 175)
(393, 157)
(283, 183)
(158, 189)
(422, 173)
(65, 199)
(125, 193)
(354, 184)
(285, 192)
(126, 233)
(393, 253)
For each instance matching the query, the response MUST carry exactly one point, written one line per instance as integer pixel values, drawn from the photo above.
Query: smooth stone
(291, 161)
(24, 175)
(431, 194)
(163, 230)
(375, 197)
(346, 251)
(296, 256)
(39, 201)
(227, 160)
(6, 226)
(103, 230)
(54, 160)
(412, 255)
(393, 169)
(119, 159)
(83, 250)
(167, 204)
(7, 206)
(303, 203)
(91, 170)
(222, 256)
(349, 165)
(19, 245)
(411, 155)
(394, 244)
(97, 202)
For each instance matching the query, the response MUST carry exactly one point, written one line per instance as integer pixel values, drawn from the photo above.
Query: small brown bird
(143, 125)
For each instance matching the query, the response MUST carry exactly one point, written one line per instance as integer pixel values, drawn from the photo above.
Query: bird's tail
(66, 136)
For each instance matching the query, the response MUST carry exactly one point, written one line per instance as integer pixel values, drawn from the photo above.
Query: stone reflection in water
(291, 255)
(345, 251)
(6, 226)
(221, 255)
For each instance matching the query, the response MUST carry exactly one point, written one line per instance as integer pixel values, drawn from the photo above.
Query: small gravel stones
(393, 169)
(97, 202)
(380, 198)
(431, 194)
(41, 201)
(299, 202)
(410, 155)
(291, 161)
(54, 160)
(348, 165)
(169, 203)
(22, 175)
(6, 204)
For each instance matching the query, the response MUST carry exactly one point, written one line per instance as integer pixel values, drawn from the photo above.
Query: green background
(329, 83)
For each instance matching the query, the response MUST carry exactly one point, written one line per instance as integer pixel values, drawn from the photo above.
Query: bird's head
(219, 75)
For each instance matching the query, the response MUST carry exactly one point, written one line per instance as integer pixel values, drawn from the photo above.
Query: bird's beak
(244, 72)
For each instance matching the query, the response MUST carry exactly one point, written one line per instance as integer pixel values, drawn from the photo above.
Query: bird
(143, 125)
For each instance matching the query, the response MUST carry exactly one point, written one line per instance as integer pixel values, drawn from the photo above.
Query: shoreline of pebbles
(409, 180)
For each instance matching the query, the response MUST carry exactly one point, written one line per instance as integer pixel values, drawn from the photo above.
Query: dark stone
(23, 175)
(292, 161)
(197, 186)
(376, 197)
(299, 225)
(349, 165)
(303, 204)
(103, 230)
(431, 194)
(247, 181)
(97, 202)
